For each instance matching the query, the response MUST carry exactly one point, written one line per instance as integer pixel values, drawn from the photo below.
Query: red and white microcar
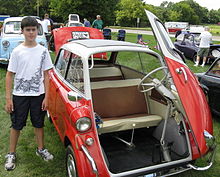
(122, 109)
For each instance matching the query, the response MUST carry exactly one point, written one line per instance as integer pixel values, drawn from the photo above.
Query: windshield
(14, 27)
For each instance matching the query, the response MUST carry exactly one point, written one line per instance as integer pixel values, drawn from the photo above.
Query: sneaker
(44, 154)
(10, 161)
(202, 65)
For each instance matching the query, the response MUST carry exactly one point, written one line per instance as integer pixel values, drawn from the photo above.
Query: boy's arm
(46, 86)
(8, 82)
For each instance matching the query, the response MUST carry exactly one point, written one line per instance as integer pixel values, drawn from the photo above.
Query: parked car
(188, 43)
(122, 109)
(11, 37)
(63, 35)
(210, 81)
(70, 23)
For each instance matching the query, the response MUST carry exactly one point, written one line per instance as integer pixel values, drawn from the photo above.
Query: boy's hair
(29, 21)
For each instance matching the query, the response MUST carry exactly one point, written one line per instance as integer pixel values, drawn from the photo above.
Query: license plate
(80, 34)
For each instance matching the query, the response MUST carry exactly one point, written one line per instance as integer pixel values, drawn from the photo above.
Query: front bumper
(4, 60)
(210, 155)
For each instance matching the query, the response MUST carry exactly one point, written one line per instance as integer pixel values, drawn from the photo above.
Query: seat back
(118, 98)
(106, 73)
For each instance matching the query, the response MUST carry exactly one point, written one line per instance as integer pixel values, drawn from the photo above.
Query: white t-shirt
(29, 65)
(206, 38)
(45, 24)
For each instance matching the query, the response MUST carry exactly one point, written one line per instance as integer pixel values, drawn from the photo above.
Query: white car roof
(17, 19)
(86, 47)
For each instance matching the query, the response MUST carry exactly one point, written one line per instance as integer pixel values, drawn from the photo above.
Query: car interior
(133, 121)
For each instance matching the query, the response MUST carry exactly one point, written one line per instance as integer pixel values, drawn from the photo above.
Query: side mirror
(73, 96)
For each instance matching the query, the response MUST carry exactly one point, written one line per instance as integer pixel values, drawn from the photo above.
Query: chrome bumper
(4, 60)
(210, 141)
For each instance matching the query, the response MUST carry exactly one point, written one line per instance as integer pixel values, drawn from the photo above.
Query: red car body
(72, 107)
(65, 34)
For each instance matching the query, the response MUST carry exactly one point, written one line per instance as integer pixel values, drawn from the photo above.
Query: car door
(190, 93)
(58, 92)
(211, 79)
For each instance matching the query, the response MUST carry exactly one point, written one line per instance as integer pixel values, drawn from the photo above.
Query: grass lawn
(30, 165)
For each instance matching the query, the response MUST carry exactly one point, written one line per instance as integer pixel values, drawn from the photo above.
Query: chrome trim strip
(91, 160)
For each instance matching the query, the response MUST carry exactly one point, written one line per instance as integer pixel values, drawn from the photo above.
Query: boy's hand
(9, 107)
(44, 106)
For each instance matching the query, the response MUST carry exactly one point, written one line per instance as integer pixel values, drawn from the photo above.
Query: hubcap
(71, 168)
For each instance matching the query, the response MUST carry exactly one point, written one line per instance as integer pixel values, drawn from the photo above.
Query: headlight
(5, 44)
(83, 124)
(42, 43)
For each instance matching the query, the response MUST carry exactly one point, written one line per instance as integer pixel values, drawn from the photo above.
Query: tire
(194, 58)
(70, 162)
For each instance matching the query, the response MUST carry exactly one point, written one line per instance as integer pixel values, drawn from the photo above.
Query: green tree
(128, 12)
(214, 16)
(85, 9)
(187, 14)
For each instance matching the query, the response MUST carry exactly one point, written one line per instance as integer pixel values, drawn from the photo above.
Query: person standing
(28, 67)
(86, 23)
(46, 26)
(205, 40)
(98, 23)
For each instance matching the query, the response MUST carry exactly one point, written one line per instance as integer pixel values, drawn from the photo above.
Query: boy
(28, 66)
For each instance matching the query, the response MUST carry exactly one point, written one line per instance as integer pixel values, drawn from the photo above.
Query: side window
(62, 62)
(75, 73)
(139, 61)
(215, 70)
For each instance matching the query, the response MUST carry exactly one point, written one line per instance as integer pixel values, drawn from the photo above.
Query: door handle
(181, 70)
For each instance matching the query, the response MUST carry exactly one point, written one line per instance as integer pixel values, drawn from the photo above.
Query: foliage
(121, 12)
(128, 12)
(85, 8)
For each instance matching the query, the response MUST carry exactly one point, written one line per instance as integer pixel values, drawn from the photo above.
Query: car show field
(56, 168)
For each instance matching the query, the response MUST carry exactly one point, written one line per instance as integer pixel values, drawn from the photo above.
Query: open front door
(191, 95)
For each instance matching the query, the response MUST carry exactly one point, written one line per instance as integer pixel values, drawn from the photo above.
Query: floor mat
(122, 158)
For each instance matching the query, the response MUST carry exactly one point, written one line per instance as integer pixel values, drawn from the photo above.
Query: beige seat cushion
(127, 123)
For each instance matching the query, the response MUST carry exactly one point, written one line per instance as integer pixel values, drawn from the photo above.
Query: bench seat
(129, 122)
(121, 106)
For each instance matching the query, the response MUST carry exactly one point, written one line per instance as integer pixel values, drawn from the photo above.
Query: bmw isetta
(121, 109)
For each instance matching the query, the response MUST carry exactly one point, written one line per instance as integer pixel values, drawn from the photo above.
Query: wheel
(194, 58)
(70, 162)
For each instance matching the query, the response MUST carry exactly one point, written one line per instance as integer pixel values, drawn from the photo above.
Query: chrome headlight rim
(83, 124)
(5, 44)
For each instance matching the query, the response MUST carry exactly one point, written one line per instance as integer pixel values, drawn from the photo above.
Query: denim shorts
(22, 106)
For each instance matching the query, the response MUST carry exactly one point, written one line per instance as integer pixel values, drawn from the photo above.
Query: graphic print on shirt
(34, 83)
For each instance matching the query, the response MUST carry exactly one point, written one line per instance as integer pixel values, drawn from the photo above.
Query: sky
(209, 4)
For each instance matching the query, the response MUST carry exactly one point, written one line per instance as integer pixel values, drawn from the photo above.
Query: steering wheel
(155, 82)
